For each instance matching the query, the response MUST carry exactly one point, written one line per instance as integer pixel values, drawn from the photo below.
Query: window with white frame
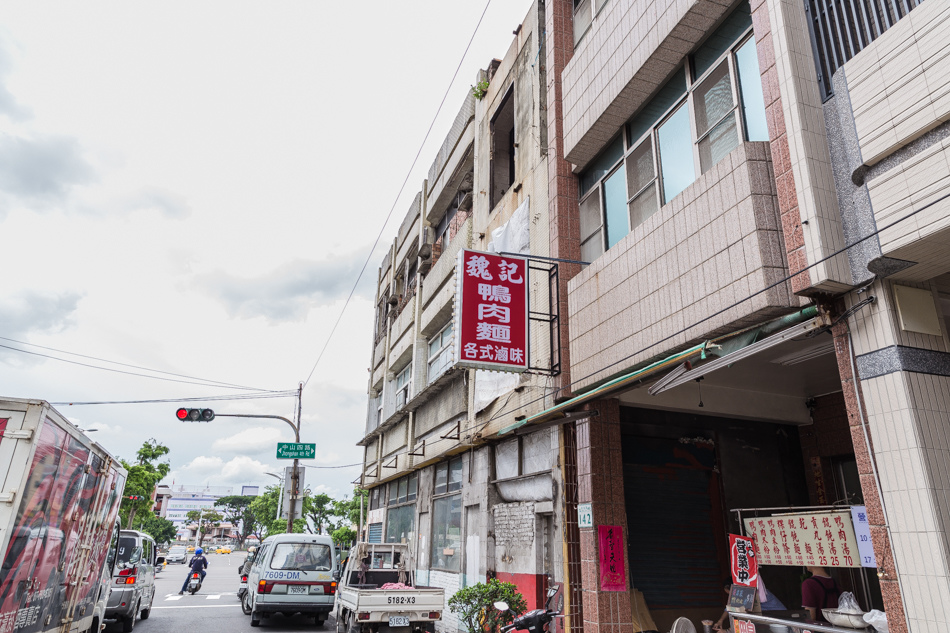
(712, 102)
(584, 12)
(440, 352)
(403, 385)
(447, 516)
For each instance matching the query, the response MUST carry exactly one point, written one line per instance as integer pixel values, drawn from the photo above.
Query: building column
(600, 483)
(900, 406)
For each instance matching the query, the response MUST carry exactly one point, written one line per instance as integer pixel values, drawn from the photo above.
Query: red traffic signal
(136, 497)
(195, 415)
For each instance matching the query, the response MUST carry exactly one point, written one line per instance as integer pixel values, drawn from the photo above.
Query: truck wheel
(353, 624)
(128, 622)
(148, 611)
(319, 620)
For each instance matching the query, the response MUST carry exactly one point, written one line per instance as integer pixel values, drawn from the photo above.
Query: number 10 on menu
(491, 311)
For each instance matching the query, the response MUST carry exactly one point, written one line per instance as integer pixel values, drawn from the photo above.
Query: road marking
(199, 606)
(174, 597)
(217, 597)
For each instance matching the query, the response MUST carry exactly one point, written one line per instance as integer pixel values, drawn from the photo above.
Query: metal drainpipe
(877, 479)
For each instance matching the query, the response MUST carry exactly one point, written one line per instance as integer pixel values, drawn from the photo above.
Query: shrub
(475, 605)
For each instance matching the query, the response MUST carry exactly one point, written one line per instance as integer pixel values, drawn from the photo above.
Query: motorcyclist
(198, 564)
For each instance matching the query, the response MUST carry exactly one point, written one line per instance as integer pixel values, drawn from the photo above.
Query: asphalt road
(214, 608)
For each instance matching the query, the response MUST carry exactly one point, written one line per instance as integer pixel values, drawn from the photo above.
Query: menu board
(824, 539)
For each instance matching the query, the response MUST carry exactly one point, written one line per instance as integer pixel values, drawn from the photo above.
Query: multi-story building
(762, 328)
(757, 192)
(177, 501)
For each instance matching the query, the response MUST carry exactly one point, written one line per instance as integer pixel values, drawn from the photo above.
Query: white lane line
(174, 597)
(199, 606)
(217, 597)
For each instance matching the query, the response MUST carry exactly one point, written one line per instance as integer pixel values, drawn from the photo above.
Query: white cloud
(215, 471)
(254, 441)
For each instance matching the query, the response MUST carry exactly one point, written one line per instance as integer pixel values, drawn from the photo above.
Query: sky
(193, 187)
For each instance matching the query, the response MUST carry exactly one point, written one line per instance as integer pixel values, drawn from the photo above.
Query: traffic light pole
(292, 484)
(206, 415)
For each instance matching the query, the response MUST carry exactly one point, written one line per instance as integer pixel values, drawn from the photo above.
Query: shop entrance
(682, 474)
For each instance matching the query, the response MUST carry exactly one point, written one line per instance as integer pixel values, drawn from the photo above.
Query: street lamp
(281, 495)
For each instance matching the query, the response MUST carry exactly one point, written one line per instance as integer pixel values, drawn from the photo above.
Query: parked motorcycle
(194, 583)
(535, 621)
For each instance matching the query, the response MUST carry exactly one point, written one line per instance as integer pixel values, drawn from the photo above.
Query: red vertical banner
(491, 311)
(613, 574)
(744, 564)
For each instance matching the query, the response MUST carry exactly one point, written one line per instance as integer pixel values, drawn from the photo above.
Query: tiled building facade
(759, 324)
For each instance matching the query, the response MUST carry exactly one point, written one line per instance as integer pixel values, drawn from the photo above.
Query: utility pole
(294, 478)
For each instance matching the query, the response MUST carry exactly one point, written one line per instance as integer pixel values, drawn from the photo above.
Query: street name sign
(292, 450)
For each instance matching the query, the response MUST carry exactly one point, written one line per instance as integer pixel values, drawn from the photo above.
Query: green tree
(265, 508)
(319, 511)
(204, 521)
(344, 536)
(144, 475)
(237, 510)
(475, 605)
(159, 528)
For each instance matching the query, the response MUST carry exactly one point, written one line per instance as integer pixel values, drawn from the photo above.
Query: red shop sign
(613, 574)
(491, 311)
(745, 566)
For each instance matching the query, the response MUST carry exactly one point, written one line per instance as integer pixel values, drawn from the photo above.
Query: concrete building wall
(713, 245)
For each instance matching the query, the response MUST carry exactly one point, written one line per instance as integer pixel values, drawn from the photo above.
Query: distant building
(175, 502)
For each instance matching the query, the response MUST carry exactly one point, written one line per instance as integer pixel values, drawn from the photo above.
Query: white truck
(377, 592)
(59, 501)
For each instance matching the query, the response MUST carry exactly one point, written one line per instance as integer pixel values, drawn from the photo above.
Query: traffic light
(136, 497)
(195, 415)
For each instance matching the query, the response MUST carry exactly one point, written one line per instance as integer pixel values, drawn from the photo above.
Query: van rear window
(128, 552)
(301, 557)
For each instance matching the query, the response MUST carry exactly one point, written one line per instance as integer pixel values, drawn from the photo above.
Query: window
(447, 533)
(448, 476)
(700, 115)
(374, 501)
(440, 352)
(400, 518)
(584, 11)
(503, 148)
(301, 557)
(403, 385)
(382, 312)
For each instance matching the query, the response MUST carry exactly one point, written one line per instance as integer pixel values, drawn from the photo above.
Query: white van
(292, 573)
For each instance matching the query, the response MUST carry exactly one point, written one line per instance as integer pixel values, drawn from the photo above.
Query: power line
(113, 362)
(396, 201)
(129, 373)
(343, 466)
(248, 396)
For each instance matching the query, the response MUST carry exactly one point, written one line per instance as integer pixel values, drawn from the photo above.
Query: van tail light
(331, 588)
(435, 615)
(362, 615)
(125, 580)
(128, 572)
(264, 586)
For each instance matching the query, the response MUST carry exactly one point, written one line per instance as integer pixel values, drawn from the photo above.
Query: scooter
(535, 621)
(194, 583)
(242, 591)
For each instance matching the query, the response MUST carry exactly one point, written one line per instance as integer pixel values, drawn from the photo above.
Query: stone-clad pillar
(600, 483)
(903, 392)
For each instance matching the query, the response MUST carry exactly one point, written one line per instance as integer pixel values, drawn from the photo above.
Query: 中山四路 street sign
(293, 450)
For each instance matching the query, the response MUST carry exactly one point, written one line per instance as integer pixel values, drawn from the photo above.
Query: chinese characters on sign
(613, 574)
(862, 531)
(491, 311)
(745, 566)
(822, 539)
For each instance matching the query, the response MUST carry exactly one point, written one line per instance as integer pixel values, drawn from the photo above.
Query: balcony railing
(840, 29)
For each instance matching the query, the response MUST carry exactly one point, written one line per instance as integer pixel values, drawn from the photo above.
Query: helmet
(252, 548)
(199, 552)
